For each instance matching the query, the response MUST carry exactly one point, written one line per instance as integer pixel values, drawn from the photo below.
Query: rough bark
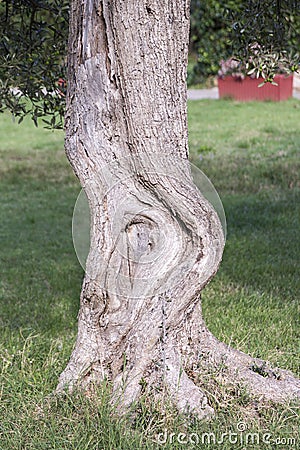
(155, 241)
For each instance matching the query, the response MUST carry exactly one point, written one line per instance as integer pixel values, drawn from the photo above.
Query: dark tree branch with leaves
(33, 59)
(268, 37)
(263, 35)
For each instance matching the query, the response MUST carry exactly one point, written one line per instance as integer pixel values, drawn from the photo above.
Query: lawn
(251, 154)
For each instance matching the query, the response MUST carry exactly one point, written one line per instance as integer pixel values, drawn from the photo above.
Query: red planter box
(247, 89)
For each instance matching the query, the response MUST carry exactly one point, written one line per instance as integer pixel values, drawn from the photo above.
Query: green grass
(251, 154)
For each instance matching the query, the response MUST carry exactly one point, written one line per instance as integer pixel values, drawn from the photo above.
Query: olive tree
(155, 240)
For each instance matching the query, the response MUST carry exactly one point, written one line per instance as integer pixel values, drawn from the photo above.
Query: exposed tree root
(174, 382)
(167, 360)
(261, 379)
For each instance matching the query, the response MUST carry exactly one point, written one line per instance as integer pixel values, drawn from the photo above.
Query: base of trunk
(177, 379)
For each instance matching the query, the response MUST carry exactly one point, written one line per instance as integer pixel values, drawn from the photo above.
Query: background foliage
(34, 36)
(209, 36)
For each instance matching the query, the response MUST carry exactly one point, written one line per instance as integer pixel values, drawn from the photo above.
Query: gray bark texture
(155, 241)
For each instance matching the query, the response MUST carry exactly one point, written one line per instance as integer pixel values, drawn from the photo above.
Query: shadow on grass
(262, 249)
(253, 302)
(40, 281)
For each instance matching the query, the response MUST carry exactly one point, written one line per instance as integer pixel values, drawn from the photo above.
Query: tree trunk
(155, 241)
